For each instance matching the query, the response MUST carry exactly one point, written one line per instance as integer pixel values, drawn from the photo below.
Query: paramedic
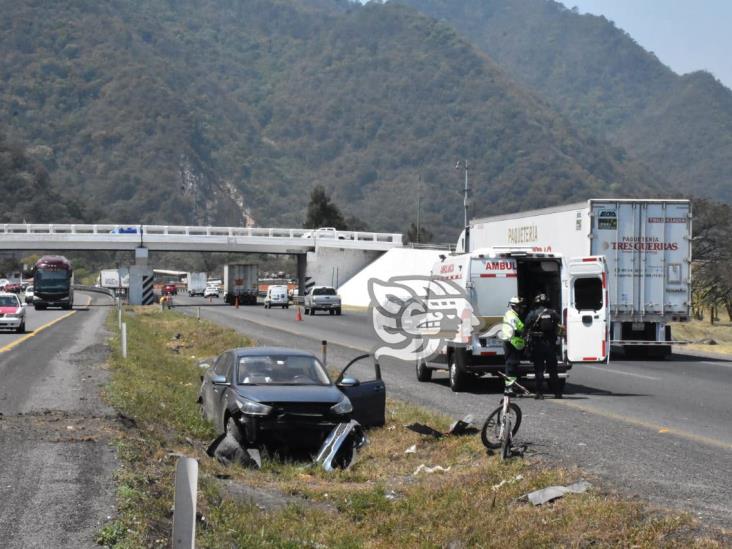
(513, 341)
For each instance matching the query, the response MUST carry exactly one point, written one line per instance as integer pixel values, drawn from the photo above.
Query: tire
(423, 372)
(490, 432)
(338, 311)
(21, 329)
(458, 377)
(331, 312)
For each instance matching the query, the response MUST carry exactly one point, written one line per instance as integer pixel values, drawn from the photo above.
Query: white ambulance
(489, 277)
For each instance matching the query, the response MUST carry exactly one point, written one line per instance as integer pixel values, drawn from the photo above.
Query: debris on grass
(411, 450)
(429, 470)
(463, 426)
(545, 495)
(423, 429)
(340, 447)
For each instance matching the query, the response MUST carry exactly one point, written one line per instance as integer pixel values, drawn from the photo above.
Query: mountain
(605, 83)
(224, 111)
(26, 191)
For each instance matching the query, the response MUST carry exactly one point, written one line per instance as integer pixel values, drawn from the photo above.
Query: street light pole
(419, 211)
(466, 203)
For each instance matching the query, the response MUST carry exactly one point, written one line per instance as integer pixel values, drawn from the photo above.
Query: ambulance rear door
(586, 315)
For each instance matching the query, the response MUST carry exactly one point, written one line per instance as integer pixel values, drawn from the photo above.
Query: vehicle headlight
(14, 315)
(252, 408)
(343, 407)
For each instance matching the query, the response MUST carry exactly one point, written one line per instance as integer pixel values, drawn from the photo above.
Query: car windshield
(324, 291)
(281, 370)
(9, 301)
(52, 279)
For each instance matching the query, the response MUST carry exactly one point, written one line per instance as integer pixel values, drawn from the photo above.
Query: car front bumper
(10, 322)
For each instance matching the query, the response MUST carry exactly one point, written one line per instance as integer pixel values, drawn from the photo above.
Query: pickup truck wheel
(338, 311)
(458, 377)
(423, 372)
(331, 312)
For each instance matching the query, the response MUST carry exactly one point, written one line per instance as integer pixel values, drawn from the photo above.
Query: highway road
(661, 430)
(56, 466)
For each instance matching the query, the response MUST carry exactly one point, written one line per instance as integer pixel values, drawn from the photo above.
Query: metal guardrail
(96, 289)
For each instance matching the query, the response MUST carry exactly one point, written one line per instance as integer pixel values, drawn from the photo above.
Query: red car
(170, 289)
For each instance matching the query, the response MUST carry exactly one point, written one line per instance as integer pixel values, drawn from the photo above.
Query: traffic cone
(298, 314)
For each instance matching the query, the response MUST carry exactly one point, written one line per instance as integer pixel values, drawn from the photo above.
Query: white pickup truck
(322, 298)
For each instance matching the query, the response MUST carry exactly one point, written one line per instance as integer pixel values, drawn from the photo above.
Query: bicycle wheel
(506, 438)
(490, 434)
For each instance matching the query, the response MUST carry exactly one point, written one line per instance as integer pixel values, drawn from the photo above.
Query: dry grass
(378, 502)
(697, 330)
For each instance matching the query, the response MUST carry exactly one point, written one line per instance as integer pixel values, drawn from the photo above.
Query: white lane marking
(609, 371)
(720, 364)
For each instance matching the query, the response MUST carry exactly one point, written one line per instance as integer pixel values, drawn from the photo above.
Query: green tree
(322, 212)
(420, 235)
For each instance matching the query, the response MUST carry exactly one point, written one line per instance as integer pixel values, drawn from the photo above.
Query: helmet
(515, 302)
(541, 299)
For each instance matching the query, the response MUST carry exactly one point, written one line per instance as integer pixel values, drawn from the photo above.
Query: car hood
(292, 393)
(10, 310)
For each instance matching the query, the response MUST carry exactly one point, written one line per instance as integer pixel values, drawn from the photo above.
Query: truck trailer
(489, 278)
(647, 246)
(196, 283)
(240, 283)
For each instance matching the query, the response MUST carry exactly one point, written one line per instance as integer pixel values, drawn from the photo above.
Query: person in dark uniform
(542, 326)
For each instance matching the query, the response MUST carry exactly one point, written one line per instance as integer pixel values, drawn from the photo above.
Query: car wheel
(21, 328)
(423, 372)
(457, 374)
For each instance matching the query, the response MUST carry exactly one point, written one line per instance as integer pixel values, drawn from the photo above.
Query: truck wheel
(331, 312)
(458, 376)
(338, 311)
(423, 372)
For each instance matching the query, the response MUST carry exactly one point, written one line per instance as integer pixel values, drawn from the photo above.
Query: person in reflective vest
(543, 325)
(512, 334)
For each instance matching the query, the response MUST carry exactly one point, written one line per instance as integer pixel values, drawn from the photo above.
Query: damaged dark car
(283, 398)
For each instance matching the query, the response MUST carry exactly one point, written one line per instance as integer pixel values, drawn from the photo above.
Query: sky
(686, 35)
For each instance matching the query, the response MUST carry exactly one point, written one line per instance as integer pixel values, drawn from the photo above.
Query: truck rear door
(586, 313)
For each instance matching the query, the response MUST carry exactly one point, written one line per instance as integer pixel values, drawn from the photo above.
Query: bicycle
(504, 422)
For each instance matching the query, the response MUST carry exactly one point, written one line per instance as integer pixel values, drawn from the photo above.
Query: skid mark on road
(35, 332)
(660, 429)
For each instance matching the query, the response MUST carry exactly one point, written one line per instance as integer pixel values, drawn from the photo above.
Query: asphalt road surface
(660, 430)
(56, 466)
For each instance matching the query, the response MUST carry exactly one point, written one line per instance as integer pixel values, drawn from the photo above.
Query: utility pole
(419, 210)
(466, 203)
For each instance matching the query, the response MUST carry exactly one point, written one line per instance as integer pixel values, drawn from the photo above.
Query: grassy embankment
(378, 502)
(698, 330)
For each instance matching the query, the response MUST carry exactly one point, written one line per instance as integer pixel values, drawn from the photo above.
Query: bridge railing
(185, 230)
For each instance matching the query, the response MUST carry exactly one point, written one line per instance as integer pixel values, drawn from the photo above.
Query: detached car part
(340, 448)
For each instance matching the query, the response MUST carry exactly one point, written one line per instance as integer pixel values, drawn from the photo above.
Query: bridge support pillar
(141, 255)
(301, 269)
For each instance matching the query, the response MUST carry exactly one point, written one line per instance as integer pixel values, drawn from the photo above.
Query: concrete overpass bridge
(323, 257)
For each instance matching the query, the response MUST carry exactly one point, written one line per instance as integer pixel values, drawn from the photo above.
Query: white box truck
(196, 283)
(647, 245)
(489, 277)
(240, 283)
(115, 279)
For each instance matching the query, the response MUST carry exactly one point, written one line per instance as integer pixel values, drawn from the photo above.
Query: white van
(276, 295)
(576, 288)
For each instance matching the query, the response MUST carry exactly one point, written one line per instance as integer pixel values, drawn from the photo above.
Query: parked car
(322, 298)
(274, 396)
(211, 291)
(29, 293)
(277, 296)
(12, 313)
(12, 287)
(170, 289)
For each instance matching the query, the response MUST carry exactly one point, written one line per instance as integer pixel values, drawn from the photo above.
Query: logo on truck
(523, 235)
(607, 220)
(415, 316)
(641, 244)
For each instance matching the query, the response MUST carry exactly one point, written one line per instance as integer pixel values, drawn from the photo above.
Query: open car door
(367, 397)
(586, 315)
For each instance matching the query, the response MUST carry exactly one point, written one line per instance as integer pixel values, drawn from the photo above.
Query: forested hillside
(203, 111)
(26, 193)
(604, 82)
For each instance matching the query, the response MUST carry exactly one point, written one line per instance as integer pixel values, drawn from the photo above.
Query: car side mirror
(204, 365)
(349, 382)
(219, 380)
